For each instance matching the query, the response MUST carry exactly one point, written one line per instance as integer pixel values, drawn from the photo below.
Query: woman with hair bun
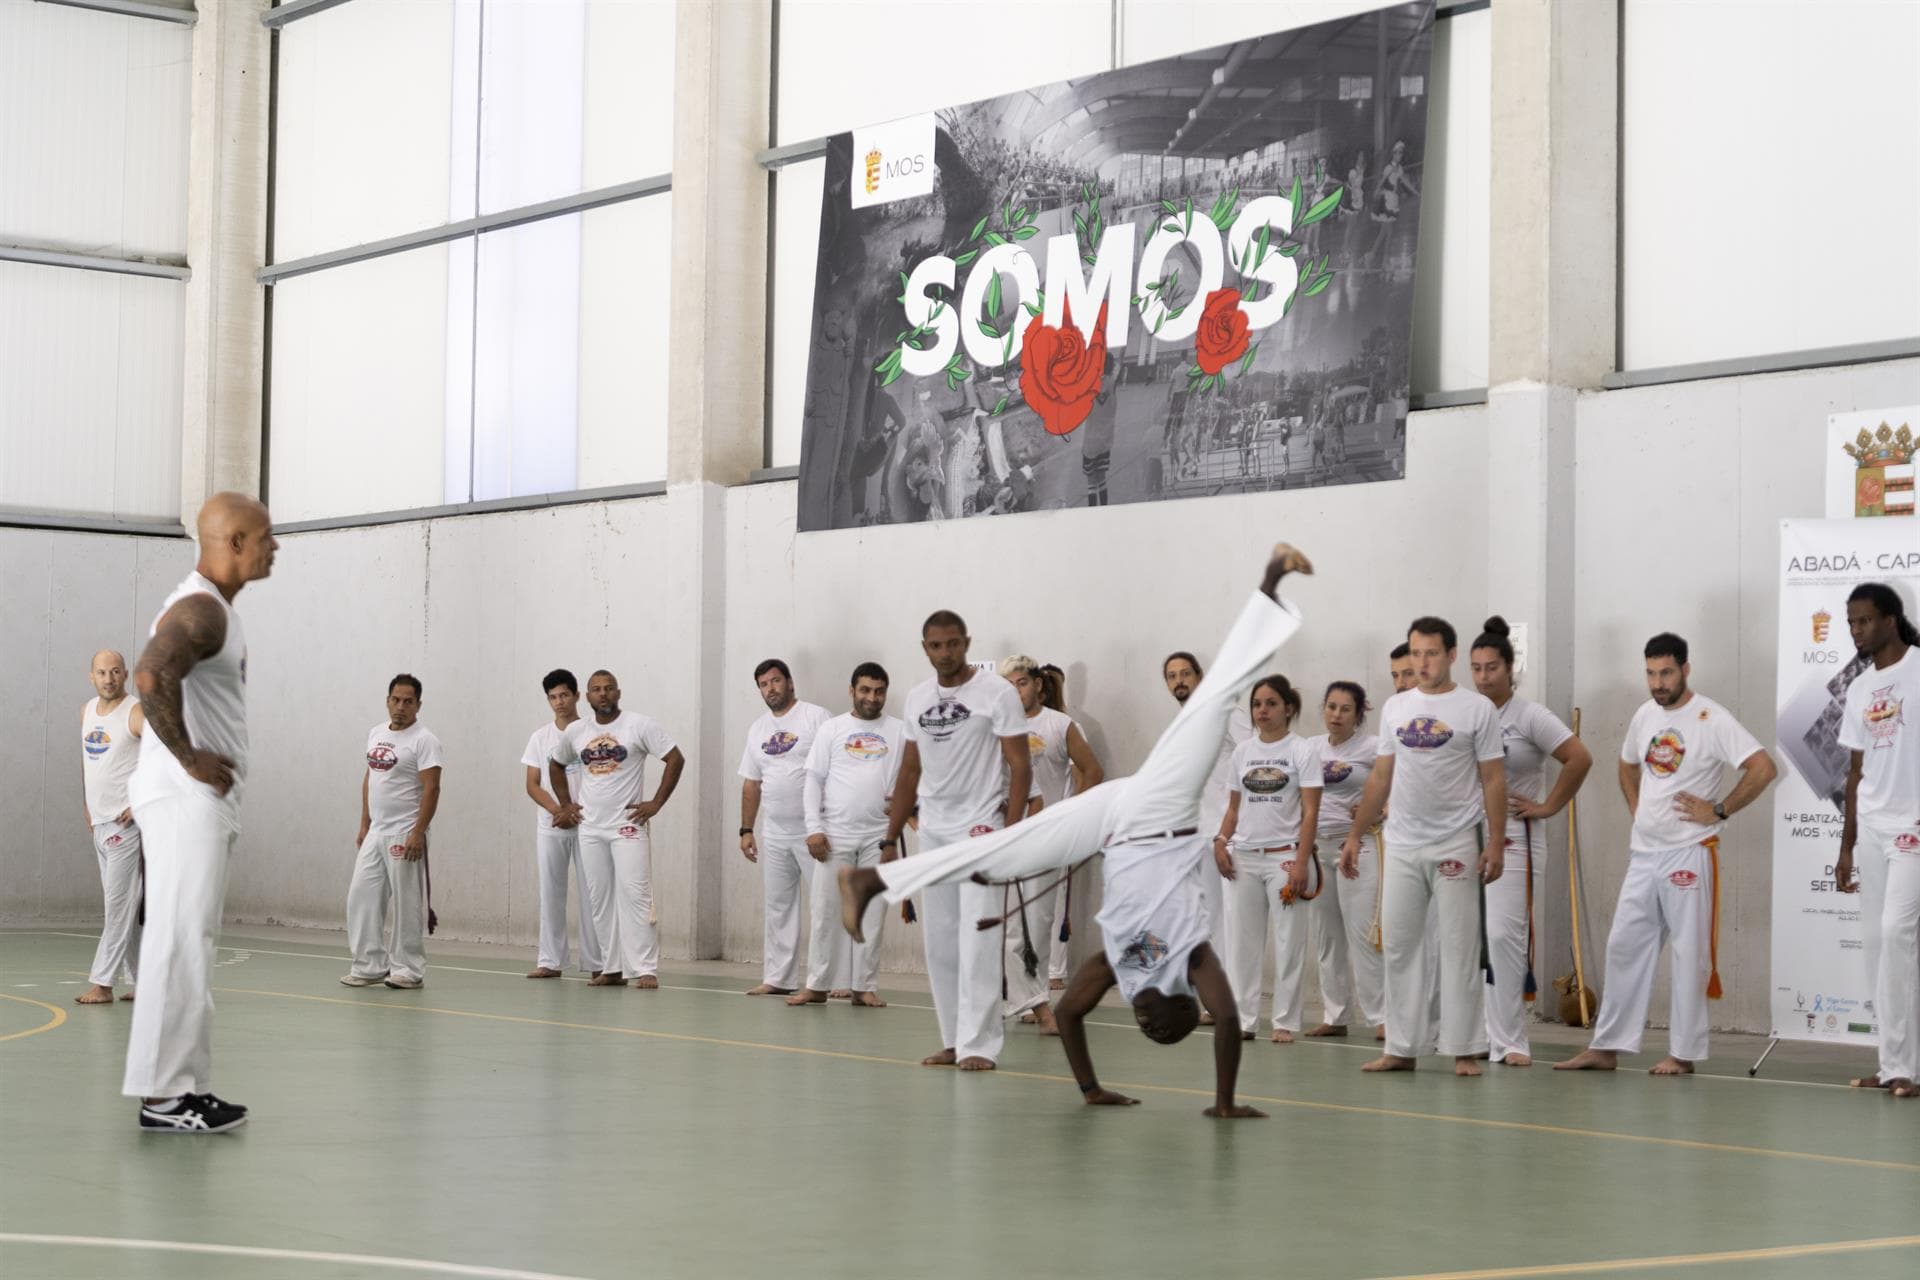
(1530, 733)
(1344, 920)
(1265, 843)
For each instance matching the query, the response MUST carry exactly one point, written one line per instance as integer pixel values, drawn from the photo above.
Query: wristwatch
(746, 831)
(1720, 810)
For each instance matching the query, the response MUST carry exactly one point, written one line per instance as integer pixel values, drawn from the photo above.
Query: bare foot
(858, 886)
(1387, 1062)
(1206, 1019)
(768, 989)
(1870, 1082)
(944, 1058)
(807, 995)
(1671, 1066)
(1516, 1060)
(840, 993)
(868, 1000)
(1106, 1098)
(608, 978)
(1044, 1016)
(1060, 984)
(95, 994)
(1901, 1088)
(975, 1064)
(1238, 1112)
(646, 982)
(1380, 1032)
(1282, 1036)
(1327, 1029)
(544, 972)
(1029, 1018)
(1590, 1060)
(128, 997)
(1468, 1065)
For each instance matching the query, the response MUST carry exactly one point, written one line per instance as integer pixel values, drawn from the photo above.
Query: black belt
(1156, 835)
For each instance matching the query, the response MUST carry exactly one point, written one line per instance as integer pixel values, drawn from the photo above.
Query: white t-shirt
(108, 753)
(1531, 734)
(1268, 777)
(539, 751)
(1685, 748)
(395, 758)
(851, 770)
(1047, 746)
(1875, 726)
(1344, 771)
(615, 757)
(963, 774)
(776, 757)
(1438, 742)
(1213, 801)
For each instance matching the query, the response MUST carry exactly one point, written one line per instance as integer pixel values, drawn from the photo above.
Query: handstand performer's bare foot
(858, 887)
(1671, 1066)
(1388, 1062)
(1327, 1029)
(1516, 1060)
(95, 994)
(807, 995)
(868, 1000)
(768, 989)
(1286, 558)
(1870, 1082)
(607, 978)
(975, 1064)
(944, 1058)
(1467, 1065)
(1590, 1060)
(1282, 1036)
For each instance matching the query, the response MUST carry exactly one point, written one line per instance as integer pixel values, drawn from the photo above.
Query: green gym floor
(492, 1126)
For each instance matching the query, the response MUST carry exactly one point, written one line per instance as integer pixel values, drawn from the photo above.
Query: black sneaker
(194, 1113)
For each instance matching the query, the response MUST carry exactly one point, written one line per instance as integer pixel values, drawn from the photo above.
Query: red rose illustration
(1222, 337)
(1060, 372)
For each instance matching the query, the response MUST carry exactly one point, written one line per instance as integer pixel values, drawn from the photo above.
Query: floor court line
(282, 1255)
(1603, 1267)
(59, 1016)
(1519, 1126)
(1352, 1045)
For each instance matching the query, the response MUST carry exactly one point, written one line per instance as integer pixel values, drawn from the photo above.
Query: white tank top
(108, 753)
(214, 699)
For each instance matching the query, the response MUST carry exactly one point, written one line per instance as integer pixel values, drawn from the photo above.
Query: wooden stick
(1573, 891)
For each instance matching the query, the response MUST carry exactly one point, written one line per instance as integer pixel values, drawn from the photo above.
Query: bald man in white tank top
(110, 726)
(186, 798)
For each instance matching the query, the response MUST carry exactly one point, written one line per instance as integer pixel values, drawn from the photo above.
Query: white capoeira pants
(1896, 999)
(835, 961)
(785, 865)
(1253, 904)
(1343, 914)
(1508, 936)
(628, 926)
(1026, 991)
(189, 842)
(963, 960)
(1445, 878)
(1871, 846)
(381, 876)
(556, 851)
(1164, 796)
(117, 847)
(1666, 899)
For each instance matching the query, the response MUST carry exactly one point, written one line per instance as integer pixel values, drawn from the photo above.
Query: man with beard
(773, 783)
(399, 794)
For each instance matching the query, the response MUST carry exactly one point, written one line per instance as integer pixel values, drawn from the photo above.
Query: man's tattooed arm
(190, 632)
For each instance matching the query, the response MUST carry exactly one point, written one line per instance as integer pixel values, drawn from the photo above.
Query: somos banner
(1820, 988)
(1176, 279)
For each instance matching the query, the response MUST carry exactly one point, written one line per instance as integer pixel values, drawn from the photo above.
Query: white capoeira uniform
(1669, 892)
(555, 851)
(188, 830)
(617, 850)
(1530, 734)
(776, 757)
(1268, 777)
(1435, 813)
(109, 750)
(851, 769)
(1154, 914)
(1052, 768)
(1346, 911)
(395, 758)
(1213, 811)
(1886, 851)
(963, 792)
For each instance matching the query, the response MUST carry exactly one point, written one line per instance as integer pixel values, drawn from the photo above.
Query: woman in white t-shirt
(1530, 734)
(1346, 921)
(1263, 851)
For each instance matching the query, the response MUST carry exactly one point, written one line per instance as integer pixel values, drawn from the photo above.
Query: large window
(1064, 39)
(488, 314)
(1770, 174)
(93, 181)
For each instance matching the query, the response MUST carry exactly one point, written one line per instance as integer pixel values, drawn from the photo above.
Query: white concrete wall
(62, 597)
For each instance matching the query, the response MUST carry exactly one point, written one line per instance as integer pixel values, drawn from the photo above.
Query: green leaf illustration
(1294, 198)
(987, 329)
(1170, 206)
(1026, 233)
(963, 259)
(1246, 361)
(1322, 209)
(998, 409)
(995, 238)
(993, 295)
(1319, 286)
(891, 375)
(1288, 250)
(978, 227)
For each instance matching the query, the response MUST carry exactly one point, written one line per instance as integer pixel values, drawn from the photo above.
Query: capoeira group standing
(1425, 917)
